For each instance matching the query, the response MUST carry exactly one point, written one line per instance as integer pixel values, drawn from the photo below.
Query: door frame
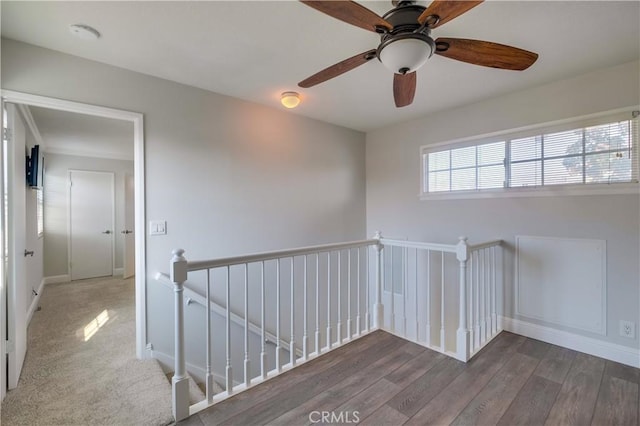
(16, 312)
(113, 217)
(139, 183)
(128, 177)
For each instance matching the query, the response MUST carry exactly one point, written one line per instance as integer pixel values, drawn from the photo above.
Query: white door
(128, 233)
(15, 187)
(91, 223)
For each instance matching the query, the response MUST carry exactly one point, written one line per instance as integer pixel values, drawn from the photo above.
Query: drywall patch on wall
(562, 281)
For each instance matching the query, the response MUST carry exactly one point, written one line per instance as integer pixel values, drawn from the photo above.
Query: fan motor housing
(404, 19)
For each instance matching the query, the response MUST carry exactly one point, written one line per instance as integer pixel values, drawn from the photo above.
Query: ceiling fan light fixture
(405, 54)
(290, 99)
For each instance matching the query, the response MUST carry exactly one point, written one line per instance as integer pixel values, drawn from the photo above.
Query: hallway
(80, 367)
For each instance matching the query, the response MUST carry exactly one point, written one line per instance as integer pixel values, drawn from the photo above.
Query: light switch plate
(158, 227)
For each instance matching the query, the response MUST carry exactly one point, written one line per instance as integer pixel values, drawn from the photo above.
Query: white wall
(393, 185)
(228, 176)
(56, 256)
(35, 243)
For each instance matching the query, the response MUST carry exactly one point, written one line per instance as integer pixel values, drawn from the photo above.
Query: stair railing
(337, 278)
(338, 274)
(420, 282)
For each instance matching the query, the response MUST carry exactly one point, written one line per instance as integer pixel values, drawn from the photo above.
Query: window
(466, 168)
(40, 211)
(573, 154)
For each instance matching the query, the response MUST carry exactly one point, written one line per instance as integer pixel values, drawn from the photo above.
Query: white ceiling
(84, 135)
(256, 50)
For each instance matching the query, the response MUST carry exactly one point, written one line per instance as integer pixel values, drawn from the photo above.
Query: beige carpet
(80, 367)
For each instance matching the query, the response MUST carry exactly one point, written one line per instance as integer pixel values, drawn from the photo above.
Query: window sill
(548, 191)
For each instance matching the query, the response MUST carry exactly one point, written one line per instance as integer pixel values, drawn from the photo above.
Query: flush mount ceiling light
(290, 99)
(84, 32)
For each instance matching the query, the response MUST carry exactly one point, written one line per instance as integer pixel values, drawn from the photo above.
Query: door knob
(106, 232)
(126, 231)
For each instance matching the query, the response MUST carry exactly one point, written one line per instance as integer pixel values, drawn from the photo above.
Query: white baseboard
(55, 279)
(198, 373)
(118, 271)
(35, 301)
(611, 351)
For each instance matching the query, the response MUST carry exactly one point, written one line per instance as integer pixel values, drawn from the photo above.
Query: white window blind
(603, 152)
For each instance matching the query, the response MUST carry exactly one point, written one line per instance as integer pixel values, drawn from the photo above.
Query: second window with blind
(601, 152)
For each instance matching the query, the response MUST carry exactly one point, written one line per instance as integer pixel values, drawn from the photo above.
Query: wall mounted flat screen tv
(33, 166)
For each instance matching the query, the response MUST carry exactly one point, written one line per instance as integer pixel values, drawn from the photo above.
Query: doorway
(8, 242)
(14, 251)
(91, 224)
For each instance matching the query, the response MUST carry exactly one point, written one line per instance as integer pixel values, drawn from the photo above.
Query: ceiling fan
(406, 42)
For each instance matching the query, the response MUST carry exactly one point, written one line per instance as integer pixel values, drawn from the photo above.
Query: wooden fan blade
(351, 13)
(446, 10)
(404, 88)
(338, 69)
(485, 53)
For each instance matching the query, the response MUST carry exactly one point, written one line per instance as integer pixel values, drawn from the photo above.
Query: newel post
(378, 311)
(462, 336)
(179, 382)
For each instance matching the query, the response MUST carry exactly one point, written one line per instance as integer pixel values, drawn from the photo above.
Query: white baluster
(483, 308)
(392, 288)
(349, 294)
(305, 338)
(471, 296)
(278, 346)
(358, 322)
(247, 363)
(405, 277)
(292, 341)
(367, 305)
(179, 382)
(442, 306)
(318, 347)
(378, 313)
(263, 337)
(209, 377)
(417, 316)
(339, 326)
(476, 331)
(427, 325)
(462, 341)
(494, 319)
(487, 292)
(328, 300)
(229, 371)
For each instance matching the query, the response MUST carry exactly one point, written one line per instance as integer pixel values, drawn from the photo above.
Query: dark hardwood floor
(384, 380)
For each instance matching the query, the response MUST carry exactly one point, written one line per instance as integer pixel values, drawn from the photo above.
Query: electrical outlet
(628, 329)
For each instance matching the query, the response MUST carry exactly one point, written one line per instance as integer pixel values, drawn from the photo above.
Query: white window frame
(545, 190)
